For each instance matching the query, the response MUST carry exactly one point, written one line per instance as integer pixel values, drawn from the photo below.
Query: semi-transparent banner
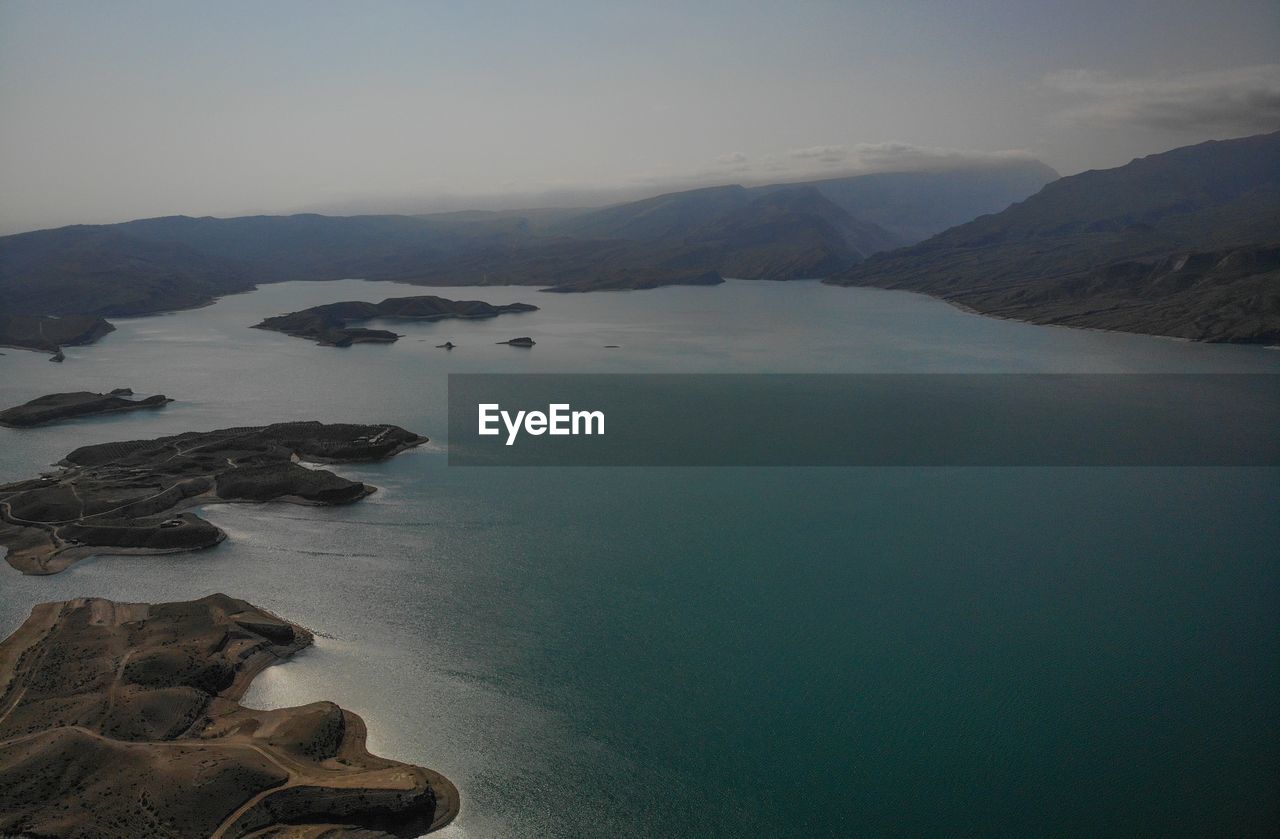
(864, 420)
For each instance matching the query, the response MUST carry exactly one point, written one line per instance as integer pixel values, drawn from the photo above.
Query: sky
(112, 111)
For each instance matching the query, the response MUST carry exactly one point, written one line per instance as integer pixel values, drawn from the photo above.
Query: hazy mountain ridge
(912, 206)
(282, 248)
(898, 207)
(678, 239)
(782, 231)
(101, 271)
(1180, 243)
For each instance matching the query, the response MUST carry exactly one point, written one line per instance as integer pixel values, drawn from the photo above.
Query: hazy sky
(116, 110)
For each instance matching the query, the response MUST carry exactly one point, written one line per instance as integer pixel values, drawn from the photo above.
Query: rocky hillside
(1182, 243)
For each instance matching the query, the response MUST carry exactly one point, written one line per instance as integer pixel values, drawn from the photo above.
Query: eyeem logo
(559, 420)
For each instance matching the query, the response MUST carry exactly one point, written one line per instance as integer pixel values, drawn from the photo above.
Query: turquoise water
(729, 652)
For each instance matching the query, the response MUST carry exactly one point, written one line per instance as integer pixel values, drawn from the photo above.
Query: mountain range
(1184, 243)
(782, 231)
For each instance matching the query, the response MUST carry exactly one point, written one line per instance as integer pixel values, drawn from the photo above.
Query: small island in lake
(327, 324)
(124, 720)
(519, 342)
(126, 498)
(60, 406)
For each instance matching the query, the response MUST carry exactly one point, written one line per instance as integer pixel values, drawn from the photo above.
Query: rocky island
(123, 720)
(126, 498)
(60, 406)
(327, 324)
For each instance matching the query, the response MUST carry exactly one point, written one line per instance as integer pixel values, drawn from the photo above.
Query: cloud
(832, 161)
(826, 155)
(1243, 99)
(900, 157)
(797, 164)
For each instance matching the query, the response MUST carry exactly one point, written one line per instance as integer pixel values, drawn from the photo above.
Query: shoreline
(968, 309)
(964, 307)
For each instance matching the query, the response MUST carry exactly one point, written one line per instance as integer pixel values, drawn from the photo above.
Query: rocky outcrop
(121, 720)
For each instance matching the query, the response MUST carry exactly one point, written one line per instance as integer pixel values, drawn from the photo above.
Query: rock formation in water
(62, 406)
(122, 720)
(327, 324)
(126, 498)
(519, 342)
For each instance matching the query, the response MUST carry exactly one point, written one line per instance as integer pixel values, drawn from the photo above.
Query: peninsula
(126, 498)
(124, 720)
(327, 324)
(50, 334)
(61, 406)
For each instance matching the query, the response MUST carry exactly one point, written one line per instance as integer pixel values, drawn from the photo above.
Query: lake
(641, 652)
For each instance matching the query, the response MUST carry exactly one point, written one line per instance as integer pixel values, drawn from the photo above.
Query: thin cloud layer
(1239, 100)
(832, 161)
(798, 164)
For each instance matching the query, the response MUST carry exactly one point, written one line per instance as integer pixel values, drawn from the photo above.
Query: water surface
(728, 652)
